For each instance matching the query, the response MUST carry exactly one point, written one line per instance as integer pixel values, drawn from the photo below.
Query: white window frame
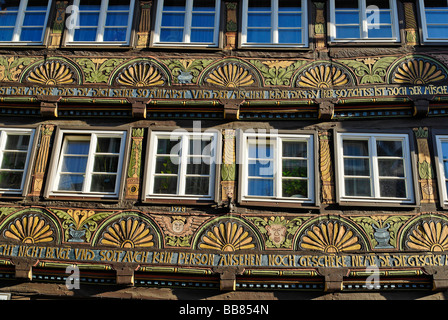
(274, 27)
(181, 175)
(441, 170)
(363, 24)
(92, 137)
(373, 165)
(100, 27)
(425, 23)
(277, 139)
(187, 27)
(19, 25)
(3, 134)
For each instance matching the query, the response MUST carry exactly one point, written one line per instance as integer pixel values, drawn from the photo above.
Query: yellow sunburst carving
(227, 237)
(30, 229)
(129, 233)
(430, 236)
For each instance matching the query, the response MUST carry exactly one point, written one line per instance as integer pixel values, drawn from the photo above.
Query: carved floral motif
(230, 75)
(330, 237)
(323, 76)
(227, 237)
(128, 233)
(418, 72)
(141, 74)
(52, 73)
(30, 229)
(431, 236)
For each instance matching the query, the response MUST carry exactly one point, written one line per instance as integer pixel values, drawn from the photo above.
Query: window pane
(199, 147)
(294, 149)
(6, 34)
(117, 19)
(90, 5)
(259, 35)
(437, 16)
(381, 4)
(103, 183)
(202, 35)
(173, 5)
(108, 145)
(203, 5)
(259, 5)
(260, 187)
(260, 148)
(17, 142)
(85, 34)
(168, 146)
(346, 4)
(356, 147)
(295, 188)
(7, 19)
(290, 20)
(347, 17)
(437, 32)
(70, 182)
(290, 36)
(118, 5)
(289, 5)
(263, 168)
(74, 164)
(201, 168)
(445, 150)
(11, 180)
(172, 35)
(115, 34)
(88, 19)
(389, 148)
(173, 20)
(357, 187)
(445, 166)
(105, 163)
(390, 168)
(356, 167)
(31, 34)
(294, 168)
(203, 20)
(381, 32)
(259, 20)
(165, 185)
(165, 165)
(436, 4)
(347, 32)
(394, 188)
(13, 160)
(34, 19)
(196, 185)
(77, 147)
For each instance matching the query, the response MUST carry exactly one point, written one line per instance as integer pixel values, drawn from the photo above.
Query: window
(277, 167)
(187, 22)
(364, 20)
(23, 22)
(434, 15)
(15, 149)
(442, 166)
(101, 21)
(279, 23)
(374, 167)
(182, 165)
(89, 164)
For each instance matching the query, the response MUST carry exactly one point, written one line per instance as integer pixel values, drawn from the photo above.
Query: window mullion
(102, 20)
(274, 20)
(188, 20)
(182, 165)
(278, 179)
(19, 22)
(89, 165)
(374, 178)
(363, 17)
